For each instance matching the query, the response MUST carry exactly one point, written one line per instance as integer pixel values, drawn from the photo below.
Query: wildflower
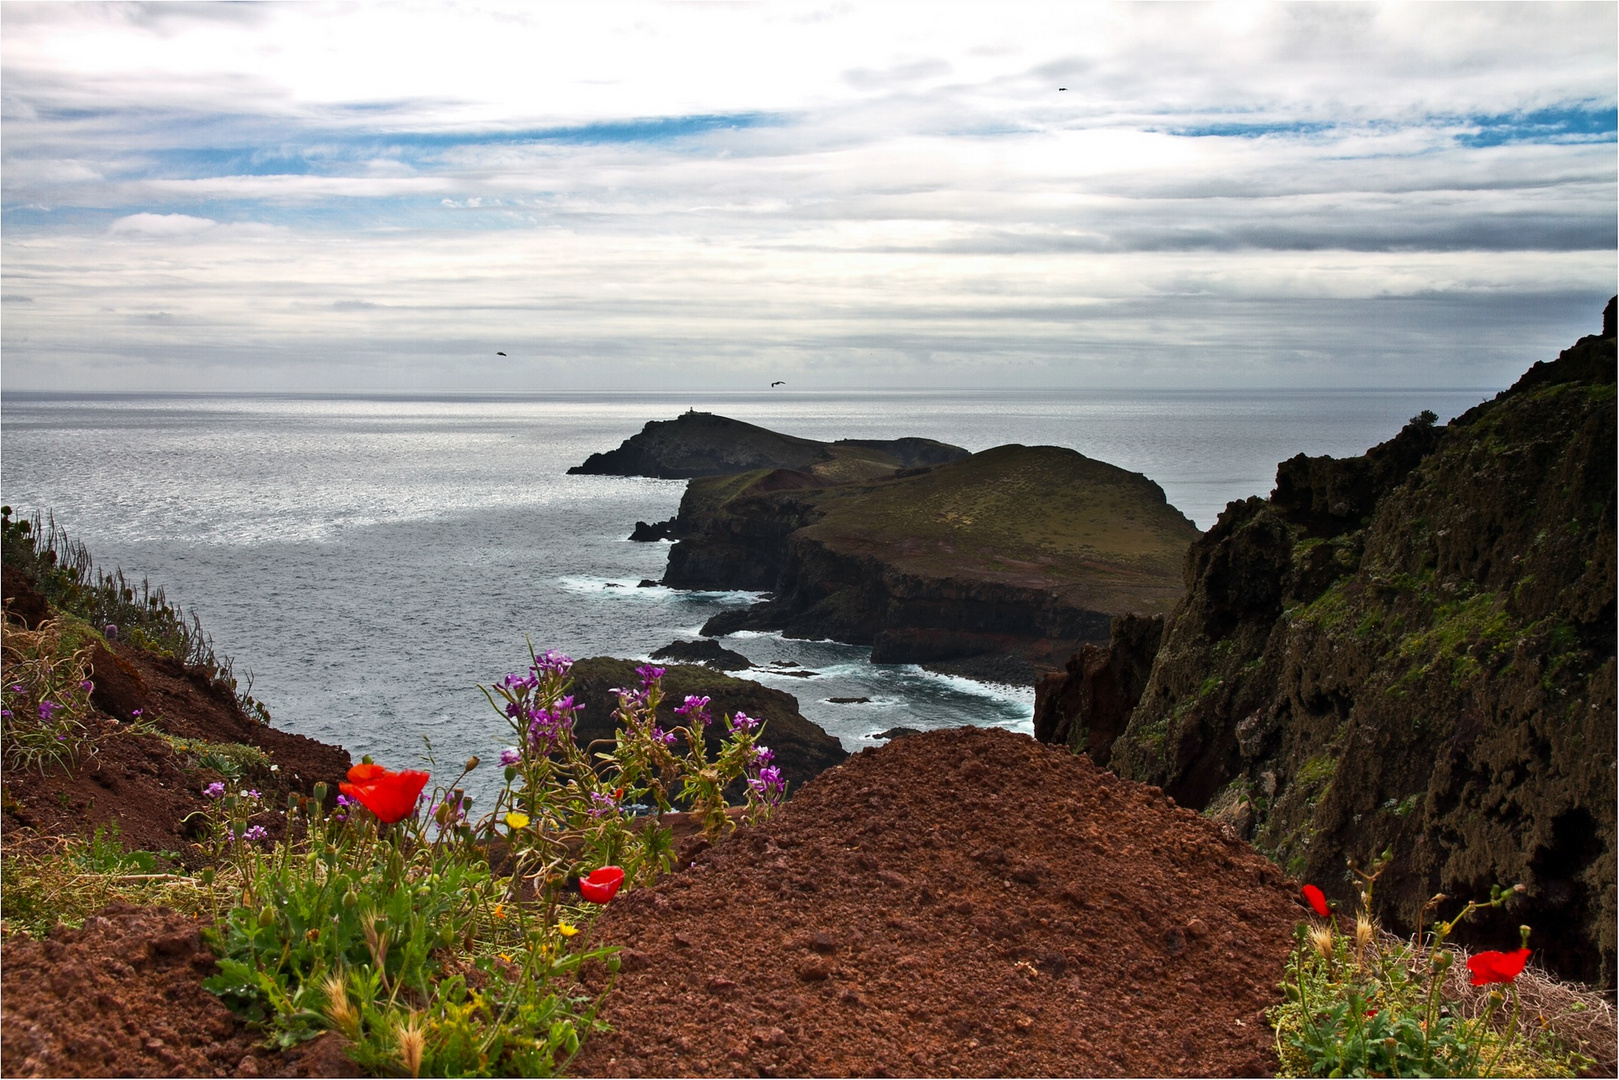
(1496, 967)
(551, 662)
(1318, 900)
(743, 722)
(667, 738)
(87, 686)
(763, 755)
(769, 785)
(253, 793)
(515, 820)
(510, 757)
(255, 832)
(500, 911)
(601, 885)
(7, 713)
(565, 929)
(389, 795)
(601, 805)
(46, 708)
(111, 630)
(215, 790)
(135, 714)
(649, 674)
(695, 708)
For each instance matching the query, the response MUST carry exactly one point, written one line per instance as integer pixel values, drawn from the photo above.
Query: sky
(362, 197)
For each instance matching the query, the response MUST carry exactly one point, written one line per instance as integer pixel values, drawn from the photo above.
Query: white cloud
(162, 224)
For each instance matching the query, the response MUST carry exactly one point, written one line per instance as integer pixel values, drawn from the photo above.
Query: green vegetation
(230, 760)
(439, 945)
(64, 573)
(45, 696)
(1370, 1004)
(50, 880)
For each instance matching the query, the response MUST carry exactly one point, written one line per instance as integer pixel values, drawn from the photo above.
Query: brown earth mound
(963, 902)
(123, 996)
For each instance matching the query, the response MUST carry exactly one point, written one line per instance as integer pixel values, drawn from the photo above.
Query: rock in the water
(848, 700)
(896, 733)
(711, 653)
(647, 583)
(646, 533)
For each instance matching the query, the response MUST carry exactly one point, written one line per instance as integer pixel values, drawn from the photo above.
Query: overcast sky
(358, 196)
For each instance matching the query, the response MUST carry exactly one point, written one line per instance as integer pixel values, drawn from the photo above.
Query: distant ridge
(707, 444)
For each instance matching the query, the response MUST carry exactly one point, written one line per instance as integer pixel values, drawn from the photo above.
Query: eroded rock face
(1414, 651)
(1087, 705)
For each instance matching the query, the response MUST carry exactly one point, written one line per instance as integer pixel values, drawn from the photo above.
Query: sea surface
(371, 560)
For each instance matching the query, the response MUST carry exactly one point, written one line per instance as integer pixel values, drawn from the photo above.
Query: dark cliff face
(1413, 651)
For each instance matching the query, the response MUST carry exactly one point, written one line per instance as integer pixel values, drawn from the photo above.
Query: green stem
(1512, 1030)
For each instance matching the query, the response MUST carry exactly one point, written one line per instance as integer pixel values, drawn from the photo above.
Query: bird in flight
(500, 354)
(778, 382)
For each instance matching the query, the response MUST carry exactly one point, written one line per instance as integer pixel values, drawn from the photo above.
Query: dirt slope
(963, 902)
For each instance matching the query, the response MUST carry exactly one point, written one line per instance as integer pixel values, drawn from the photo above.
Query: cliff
(705, 444)
(1411, 652)
(996, 565)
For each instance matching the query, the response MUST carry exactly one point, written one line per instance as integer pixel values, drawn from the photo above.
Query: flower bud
(1523, 937)
(472, 762)
(350, 898)
(208, 875)
(292, 800)
(511, 773)
(320, 791)
(267, 916)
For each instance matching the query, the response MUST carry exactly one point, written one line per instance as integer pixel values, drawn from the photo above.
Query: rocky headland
(994, 566)
(1408, 652)
(705, 444)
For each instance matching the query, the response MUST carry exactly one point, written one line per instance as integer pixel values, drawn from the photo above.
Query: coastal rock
(802, 748)
(1414, 651)
(645, 533)
(1087, 706)
(995, 566)
(709, 653)
(705, 444)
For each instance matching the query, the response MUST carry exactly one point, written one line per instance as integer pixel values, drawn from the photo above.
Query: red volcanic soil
(962, 903)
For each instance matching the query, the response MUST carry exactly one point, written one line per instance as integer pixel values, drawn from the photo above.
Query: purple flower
(16, 688)
(216, 790)
(510, 756)
(649, 675)
(343, 801)
(601, 805)
(763, 755)
(87, 686)
(743, 722)
(46, 708)
(111, 631)
(513, 681)
(135, 714)
(255, 832)
(551, 662)
(695, 709)
(5, 713)
(253, 793)
(547, 727)
(769, 785)
(667, 738)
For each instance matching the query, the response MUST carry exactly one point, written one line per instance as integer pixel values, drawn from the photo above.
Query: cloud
(695, 189)
(162, 224)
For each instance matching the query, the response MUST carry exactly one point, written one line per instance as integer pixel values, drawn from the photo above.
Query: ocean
(371, 560)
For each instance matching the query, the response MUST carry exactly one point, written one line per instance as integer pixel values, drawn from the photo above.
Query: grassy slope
(1040, 517)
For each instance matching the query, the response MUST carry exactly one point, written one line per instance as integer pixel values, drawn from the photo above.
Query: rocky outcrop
(1087, 705)
(803, 750)
(708, 653)
(996, 566)
(705, 444)
(1413, 653)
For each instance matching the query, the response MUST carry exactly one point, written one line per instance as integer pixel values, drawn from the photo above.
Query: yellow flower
(565, 930)
(500, 911)
(506, 956)
(516, 820)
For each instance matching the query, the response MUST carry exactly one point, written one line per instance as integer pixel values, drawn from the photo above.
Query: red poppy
(1496, 967)
(389, 795)
(1317, 900)
(600, 886)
